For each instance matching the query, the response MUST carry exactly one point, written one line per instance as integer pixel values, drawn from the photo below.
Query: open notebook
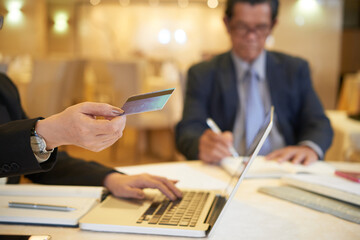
(79, 198)
(195, 215)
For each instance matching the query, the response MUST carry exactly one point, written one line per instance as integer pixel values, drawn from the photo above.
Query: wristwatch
(38, 145)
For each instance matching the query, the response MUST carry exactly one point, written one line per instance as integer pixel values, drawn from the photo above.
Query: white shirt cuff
(314, 147)
(42, 157)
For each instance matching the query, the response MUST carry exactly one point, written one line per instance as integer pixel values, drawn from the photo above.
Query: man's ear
(273, 24)
(227, 23)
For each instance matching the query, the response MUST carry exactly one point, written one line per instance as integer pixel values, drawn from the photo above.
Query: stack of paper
(325, 193)
(82, 199)
(330, 186)
(262, 168)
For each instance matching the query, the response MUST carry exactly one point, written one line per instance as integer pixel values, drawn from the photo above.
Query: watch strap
(38, 145)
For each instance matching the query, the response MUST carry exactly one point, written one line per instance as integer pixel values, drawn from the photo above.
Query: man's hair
(274, 5)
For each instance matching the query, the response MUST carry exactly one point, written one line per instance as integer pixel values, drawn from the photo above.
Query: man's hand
(213, 147)
(295, 154)
(127, 186)
(93, 126)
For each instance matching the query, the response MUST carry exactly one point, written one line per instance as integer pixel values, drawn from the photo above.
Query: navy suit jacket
(212, 92)
(17, 157)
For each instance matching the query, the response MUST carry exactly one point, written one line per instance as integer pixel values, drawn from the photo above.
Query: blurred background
(62, 52)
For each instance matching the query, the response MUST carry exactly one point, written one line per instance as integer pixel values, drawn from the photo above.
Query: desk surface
(251, 215)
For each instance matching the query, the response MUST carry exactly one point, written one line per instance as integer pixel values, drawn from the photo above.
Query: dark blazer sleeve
(16, 154)
(195, 112)
(17, 157)
(72, 171)
(313, 125)
(301, 116)
(210, 92)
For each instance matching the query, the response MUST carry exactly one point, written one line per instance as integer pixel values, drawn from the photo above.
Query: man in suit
(29, 146)
(236, 89)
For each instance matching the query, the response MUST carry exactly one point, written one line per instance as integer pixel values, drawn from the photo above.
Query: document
(328, 185)
(77, 199)
(262, 168)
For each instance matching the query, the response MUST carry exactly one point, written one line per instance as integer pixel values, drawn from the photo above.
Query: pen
(41, 206)
(217, 130)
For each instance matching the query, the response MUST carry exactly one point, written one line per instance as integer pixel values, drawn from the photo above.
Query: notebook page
(51, 190)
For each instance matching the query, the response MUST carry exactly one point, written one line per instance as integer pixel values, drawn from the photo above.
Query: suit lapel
(273, 76)
(228, 89)
(277, 88)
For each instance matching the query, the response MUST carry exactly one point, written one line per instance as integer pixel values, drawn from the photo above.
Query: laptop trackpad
(118, 203)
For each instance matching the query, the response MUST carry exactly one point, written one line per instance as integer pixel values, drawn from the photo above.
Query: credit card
(147, 102)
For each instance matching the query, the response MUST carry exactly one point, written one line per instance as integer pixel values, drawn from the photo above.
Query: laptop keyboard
(181, 212)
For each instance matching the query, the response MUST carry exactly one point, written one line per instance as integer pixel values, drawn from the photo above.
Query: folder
(79, 198)
(327, 185)
(326, 193)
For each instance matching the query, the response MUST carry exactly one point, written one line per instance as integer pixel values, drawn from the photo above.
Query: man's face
(248, 28)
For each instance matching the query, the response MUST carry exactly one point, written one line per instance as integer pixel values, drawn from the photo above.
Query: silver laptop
(195, 215)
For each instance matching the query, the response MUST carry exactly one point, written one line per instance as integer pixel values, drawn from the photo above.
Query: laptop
(195, 215)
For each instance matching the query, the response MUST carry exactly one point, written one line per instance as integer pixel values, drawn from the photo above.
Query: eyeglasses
(1, 21)
(243, 30)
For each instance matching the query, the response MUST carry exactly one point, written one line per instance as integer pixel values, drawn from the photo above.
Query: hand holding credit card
(147, 102)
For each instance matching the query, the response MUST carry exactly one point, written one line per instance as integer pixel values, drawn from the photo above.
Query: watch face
(37, 144)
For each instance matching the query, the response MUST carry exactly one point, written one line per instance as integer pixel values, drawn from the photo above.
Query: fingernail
(141, 195)
(117, 112)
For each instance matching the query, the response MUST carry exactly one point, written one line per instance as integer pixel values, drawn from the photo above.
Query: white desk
(251, 216)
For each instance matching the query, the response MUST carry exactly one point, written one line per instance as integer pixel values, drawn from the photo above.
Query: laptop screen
(245, 162)
(237, 177)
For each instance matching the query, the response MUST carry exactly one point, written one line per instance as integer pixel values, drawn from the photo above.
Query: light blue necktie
(255, 113)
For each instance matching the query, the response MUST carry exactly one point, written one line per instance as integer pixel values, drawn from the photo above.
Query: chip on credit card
(147, 102)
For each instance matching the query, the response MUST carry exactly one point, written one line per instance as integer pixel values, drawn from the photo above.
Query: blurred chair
(121, 79)
(54, 85)
(163, 121)
(102, 83)
(114, 82)
(346, 143)
(349, 99)
(128, 79)
(20, 70)
(74, 85)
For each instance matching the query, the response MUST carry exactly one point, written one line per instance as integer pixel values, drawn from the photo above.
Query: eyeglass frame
(1, 21)
(261, 30)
